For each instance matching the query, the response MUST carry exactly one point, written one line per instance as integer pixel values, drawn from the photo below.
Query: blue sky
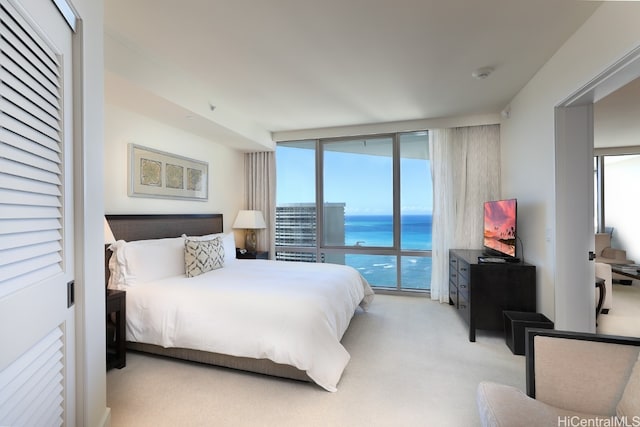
(363, 182)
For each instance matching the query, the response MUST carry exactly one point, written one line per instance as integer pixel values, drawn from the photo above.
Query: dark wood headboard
(141, 227)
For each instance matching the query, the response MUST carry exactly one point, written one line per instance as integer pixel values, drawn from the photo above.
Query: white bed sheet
(292, 313)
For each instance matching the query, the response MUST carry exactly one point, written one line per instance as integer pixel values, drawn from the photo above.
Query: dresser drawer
(463, 269)
(463, 308)
(463, 286)
(453, 270)
(453, 294)
(453, 274)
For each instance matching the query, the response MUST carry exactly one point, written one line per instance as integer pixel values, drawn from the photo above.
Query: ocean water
(381, 270)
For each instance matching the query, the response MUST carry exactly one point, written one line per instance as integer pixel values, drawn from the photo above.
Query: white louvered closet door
(37, 348)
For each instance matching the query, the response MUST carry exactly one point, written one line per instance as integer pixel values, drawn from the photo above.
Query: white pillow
(116, 276)
(229, 243)
(144, 261)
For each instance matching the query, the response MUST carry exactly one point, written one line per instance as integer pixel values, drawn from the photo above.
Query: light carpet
(411, 365)
(624, 316)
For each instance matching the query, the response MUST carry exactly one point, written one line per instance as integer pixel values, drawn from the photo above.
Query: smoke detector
(482, 73)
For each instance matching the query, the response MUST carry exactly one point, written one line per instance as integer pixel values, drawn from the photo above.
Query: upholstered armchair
(570, 377)
(605, 253)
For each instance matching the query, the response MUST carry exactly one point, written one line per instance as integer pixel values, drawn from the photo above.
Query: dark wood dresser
(480, 292)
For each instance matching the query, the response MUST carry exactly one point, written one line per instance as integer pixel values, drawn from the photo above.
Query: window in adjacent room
(364, 202)
(616, 204)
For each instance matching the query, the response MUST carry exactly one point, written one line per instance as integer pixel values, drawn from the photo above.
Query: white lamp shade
(249, 220)
(108, 234)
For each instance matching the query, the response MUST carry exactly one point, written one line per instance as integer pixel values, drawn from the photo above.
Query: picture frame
(158, 174)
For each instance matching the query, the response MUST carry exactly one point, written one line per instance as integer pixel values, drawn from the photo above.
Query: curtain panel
(260, 191)
(465, 168)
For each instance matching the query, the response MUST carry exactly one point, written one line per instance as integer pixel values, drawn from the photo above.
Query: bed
(278, 318)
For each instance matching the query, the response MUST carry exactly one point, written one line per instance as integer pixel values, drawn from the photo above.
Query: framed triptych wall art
(154, 173)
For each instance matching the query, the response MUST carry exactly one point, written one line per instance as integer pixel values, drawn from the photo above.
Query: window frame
(321, 248)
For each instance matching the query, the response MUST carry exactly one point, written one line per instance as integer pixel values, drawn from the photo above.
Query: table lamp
(250, 220)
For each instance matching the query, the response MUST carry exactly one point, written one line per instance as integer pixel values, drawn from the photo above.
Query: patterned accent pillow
(201, 256)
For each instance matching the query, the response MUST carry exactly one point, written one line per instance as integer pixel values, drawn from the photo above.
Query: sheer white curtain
(442, 232)
(260, 169)
(465, 168)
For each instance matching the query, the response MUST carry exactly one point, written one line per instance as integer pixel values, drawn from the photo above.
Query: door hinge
(592, 255)
(70, 293)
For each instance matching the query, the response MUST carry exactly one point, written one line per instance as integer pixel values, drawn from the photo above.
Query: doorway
(574, 193)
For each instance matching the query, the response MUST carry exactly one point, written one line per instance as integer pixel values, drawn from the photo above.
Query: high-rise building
(296, 227)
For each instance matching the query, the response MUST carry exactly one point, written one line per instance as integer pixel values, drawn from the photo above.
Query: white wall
(528, 138)
(615, 118)
(226, 167)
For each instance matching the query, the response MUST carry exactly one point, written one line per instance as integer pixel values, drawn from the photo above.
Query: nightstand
(116, 339)
(252, 255)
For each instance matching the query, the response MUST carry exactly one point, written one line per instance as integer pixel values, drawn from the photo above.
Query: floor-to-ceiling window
(364, 202)
(617, 199)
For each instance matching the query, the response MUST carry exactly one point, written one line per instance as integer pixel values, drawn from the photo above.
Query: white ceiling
(281, 65)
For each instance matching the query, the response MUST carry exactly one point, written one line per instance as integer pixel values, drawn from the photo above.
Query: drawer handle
(463, 269)
(463, 286)
(462, 306)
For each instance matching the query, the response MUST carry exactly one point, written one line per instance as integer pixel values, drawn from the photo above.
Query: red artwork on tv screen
(500, 226)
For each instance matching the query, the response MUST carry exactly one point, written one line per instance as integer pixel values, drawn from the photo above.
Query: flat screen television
(500, 220)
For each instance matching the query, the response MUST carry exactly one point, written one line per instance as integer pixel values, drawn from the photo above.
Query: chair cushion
(629, 405)
(506, 406)
(594, 374)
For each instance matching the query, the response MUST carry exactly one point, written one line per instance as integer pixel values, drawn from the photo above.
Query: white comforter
(292, 313)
